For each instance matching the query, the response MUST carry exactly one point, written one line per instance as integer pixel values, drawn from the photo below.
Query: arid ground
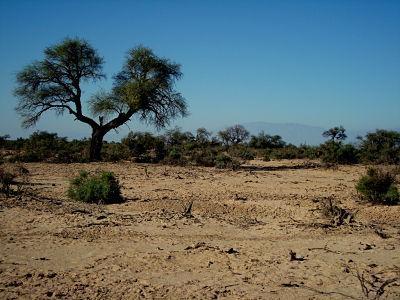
(235, 244)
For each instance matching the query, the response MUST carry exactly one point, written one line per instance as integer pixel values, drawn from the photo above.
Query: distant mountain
(291, 133)
(298, 133)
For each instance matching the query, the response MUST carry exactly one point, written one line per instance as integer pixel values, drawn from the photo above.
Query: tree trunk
(95, 144)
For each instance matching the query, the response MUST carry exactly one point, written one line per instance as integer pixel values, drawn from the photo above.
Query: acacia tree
(234, 135)
(144, 87)
(335, 134)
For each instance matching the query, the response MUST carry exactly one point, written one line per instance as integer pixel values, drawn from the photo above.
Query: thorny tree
(335, 134)
(144, 87)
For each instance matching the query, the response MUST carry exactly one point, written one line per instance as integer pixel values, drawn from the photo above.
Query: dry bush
(337, 215)
(14, 175)
(372, 285)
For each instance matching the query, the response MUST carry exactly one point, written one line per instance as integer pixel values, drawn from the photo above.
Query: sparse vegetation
(381, 147)
(336, 214)
(223, 161)
(372, 285)
(14, 175)
(184, 148)
(102, 188)
(378, 186)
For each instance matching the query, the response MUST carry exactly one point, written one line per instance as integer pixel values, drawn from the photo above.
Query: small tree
(234, 135)
(335, 134)
(266, 141)
(202, 136)
(143, 144)
(144, 87)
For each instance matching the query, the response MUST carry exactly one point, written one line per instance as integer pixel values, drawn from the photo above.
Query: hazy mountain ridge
(299, 133)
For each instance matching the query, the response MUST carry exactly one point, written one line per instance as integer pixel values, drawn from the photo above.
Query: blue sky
(319, 63)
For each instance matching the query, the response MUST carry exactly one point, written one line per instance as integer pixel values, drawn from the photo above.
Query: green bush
(338, 153)
(378, 187)
(247, 155)
(102, 188)
(203, 157)
(287, 152)
(267, 155)
(145, 147)
(114, 152)
(381, 147)
(223, 161)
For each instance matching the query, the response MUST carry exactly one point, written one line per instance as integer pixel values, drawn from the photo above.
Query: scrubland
(262, 231)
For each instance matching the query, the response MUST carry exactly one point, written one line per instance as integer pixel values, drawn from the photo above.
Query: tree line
(227, 148)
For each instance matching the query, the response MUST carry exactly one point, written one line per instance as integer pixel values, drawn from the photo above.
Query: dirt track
(236, 245)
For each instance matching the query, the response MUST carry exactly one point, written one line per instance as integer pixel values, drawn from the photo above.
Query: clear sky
(319, 62)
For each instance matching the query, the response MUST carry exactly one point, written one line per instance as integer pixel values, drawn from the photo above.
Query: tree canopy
(335, 134)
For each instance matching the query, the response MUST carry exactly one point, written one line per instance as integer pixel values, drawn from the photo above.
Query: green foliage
(242, 152)
(203, 157)
(247, 154)
(379, 187)
(265, 141)
(382, 146)
(53, 82)
(102, 188)
(145, 86)
(267, 155)
(310, 152)
(114, 152)
(335, 134)
(288, 152)
(175, 156)
(234, 135)
(145, 147)
(175, 137)
(44, 146)
(333, 152)
(203, 136)
(223, 161)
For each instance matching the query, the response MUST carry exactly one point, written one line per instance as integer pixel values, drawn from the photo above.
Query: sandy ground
(236, 245)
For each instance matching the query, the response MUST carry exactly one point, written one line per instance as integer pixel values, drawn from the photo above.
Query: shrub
(288, 152)
(203, 157)
(382, 146)
(265, 141)
(337, 153)
(175, 156)
(145, 147)
(267, 155)
(114, 152)
(247, 154)
(378, 187)
(223, 161)
(101, 188)
(242, 152)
